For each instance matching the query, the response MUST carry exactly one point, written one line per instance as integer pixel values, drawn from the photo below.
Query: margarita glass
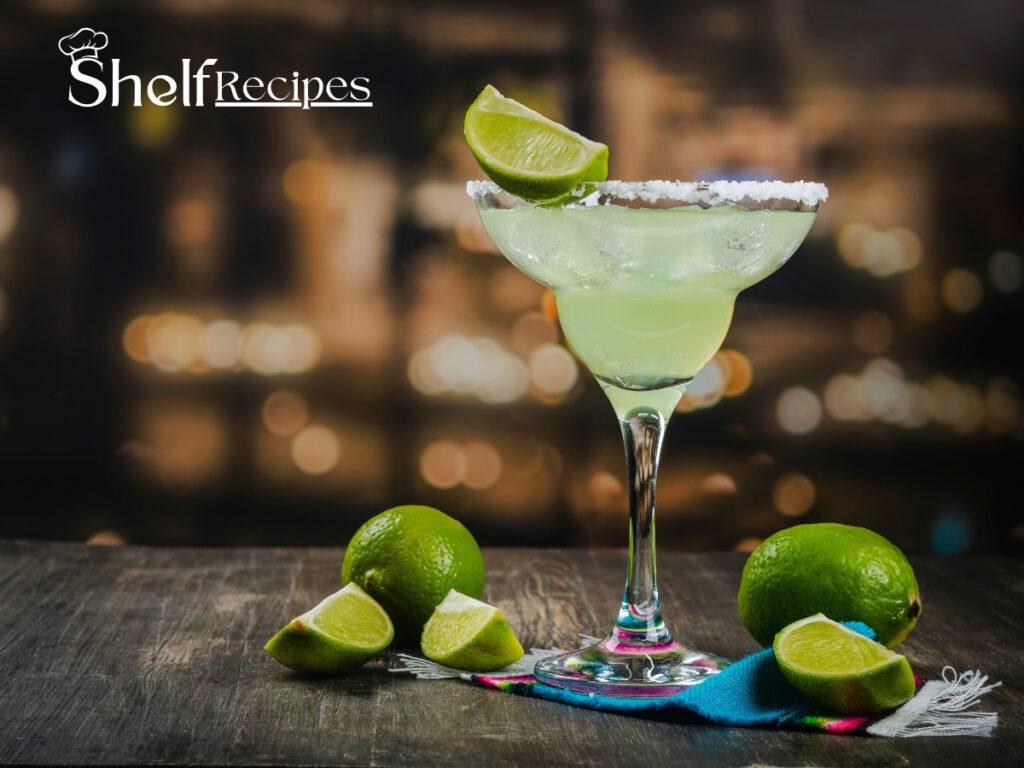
(645, 275)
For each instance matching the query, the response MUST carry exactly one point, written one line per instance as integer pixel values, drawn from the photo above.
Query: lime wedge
(840, 670)
(469, 634)
(343, 632)
(527, 154)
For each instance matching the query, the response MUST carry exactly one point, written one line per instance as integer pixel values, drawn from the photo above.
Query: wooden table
(142, 656)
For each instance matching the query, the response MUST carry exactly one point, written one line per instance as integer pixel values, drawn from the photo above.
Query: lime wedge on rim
(527, 154)
(840, 670)
(344, 631)
(469, 634)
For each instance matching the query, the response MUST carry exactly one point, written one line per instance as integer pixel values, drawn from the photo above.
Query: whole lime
(408, 558)
(845, 572)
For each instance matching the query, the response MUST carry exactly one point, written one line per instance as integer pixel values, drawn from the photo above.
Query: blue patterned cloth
(751, 691)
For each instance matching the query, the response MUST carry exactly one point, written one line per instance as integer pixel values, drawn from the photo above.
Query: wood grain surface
(154, 656)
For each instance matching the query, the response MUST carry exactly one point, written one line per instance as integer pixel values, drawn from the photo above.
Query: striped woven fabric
(753, 693)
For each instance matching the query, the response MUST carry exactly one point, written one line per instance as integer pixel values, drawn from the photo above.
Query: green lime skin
(839, 674)
(468, 634)
(408, 558)
(845, 572)
(528, 154)
(298, 647)
(343, 632)
(882, 688)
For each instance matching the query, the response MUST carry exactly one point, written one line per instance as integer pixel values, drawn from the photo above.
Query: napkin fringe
(940, 709)
(424, 669)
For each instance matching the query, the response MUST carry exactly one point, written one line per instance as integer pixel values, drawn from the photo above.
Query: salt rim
(809, 193)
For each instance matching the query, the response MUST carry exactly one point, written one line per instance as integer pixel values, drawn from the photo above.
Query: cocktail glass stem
(639, 657)
(640, 619)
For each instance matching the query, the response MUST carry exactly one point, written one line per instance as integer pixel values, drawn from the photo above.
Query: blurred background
(261, 326)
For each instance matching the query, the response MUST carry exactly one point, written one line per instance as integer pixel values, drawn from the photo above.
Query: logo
(85, 43)
(198, 85)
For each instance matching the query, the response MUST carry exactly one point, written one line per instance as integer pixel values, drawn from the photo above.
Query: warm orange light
(315, 450)
(285, 412)
(190, 222)
(549, 305)
(794, 494)
(106, 539)
(483, 465)
(8, 211)
(306, 181)
(220, 344)
(531, 330)
(552, 369)
(850, 240)
(718, 483)
(443, 464)
(134, 339)
(171, 338)
(741, 373)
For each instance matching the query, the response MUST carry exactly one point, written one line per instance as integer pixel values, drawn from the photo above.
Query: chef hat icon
(83, 44)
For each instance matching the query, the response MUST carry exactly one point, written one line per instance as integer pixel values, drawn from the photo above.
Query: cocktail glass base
(614, 668)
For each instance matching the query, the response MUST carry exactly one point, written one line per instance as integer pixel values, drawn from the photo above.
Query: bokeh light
(961, 290)
(309, 314)
(798, 410)
(882, 252)
(106, 538)
(443, 464)
(482, 465)
(794, 494)
(477, 366)
(316, 449)
(220, 344)
(152, 126)
(552, 369)
(728, 374)
(134, 339)
(741, 372)
(174, 341)
(305, 182)
(285, 412)
(532, 330)
(171, 338)
(718, 483)
(8, 212)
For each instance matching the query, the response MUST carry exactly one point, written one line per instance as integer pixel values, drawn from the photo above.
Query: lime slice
(344, 631)
(840, 670)
(527, 154)
(469, 634)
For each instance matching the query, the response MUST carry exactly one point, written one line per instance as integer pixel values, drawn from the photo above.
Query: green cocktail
(646, 275)
(645, 296)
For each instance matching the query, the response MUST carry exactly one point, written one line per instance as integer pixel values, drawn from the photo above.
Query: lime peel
(840, 669)
(528, 154)
(342, 632)
(465, 633)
